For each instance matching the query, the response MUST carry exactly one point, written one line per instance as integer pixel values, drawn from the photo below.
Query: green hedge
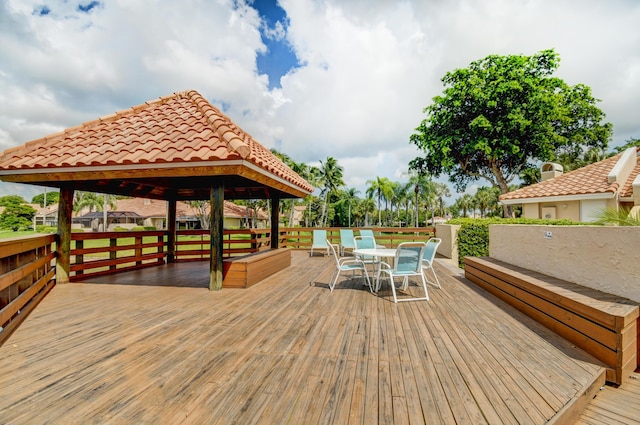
(473, 236)
(46, 229)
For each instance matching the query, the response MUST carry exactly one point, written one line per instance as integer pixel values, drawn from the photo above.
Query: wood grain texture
(602, 324)
(612, 405)
(156, 346)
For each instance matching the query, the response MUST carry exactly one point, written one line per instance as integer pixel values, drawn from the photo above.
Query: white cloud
(369, 67)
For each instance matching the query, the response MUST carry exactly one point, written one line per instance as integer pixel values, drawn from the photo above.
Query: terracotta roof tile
(627, 189)
(586, 180)
(178, 128)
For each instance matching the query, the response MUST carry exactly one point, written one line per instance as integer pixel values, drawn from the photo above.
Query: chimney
(550, 170)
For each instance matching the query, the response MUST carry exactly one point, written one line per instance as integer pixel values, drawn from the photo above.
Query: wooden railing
(193, 245)
(100, 253)
(27, 275)
(391, 237)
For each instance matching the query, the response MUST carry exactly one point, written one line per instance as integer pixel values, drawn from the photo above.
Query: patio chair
(346, 240)
(408, 263)
(319, 241)
(369, 233)
(345, 265)
(427, 260)
(366, 242)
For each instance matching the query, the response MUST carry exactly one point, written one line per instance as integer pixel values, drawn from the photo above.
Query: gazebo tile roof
(176, 130)
(179, 128)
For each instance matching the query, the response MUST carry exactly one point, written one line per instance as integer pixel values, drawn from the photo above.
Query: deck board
(155, 346)
(612, 405)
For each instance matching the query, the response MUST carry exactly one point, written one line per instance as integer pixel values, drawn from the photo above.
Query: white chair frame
(414, 251)
(346, 264)
(428, 258)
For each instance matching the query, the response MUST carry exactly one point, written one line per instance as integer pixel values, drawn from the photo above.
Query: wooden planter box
(242, 272)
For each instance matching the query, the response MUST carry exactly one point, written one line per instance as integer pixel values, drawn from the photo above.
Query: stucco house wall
(606, 258)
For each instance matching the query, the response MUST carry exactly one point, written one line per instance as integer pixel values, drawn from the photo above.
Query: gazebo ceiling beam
(196, 188)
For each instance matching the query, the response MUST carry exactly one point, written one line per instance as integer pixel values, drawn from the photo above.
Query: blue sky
(279, 58)
(311, 78)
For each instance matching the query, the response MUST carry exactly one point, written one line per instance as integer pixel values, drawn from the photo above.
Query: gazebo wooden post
(275, 218)
(216, 229)
(171, 230)
(63, 261)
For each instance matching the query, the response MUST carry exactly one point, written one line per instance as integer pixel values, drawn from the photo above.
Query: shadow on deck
(155, 346)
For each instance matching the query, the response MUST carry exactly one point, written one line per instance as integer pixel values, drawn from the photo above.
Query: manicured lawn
(6, 234)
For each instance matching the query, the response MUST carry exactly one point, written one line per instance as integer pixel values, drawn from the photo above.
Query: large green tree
(51, 197)
(16, 216)
(503, 113)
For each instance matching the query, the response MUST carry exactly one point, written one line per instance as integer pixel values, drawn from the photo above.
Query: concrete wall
(449, 246)
(606, 258)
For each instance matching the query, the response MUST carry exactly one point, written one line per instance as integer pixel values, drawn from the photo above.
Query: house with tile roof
(133, 212)
(582, 194)
(154, 214)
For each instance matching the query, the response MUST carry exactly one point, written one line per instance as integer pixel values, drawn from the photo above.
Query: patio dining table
(378, 253)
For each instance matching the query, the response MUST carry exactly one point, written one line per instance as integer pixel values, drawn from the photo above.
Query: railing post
(138, 250)
(65, 208)
(113, 254)
(79, 258)
(216, 228)
(171, 231)
(275, 217)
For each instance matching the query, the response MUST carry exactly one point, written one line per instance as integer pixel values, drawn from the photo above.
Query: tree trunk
(507, 210)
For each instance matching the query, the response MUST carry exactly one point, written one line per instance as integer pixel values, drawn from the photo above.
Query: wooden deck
(615, 406)
(155, 346)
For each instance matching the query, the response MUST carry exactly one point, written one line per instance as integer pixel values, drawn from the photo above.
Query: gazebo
(176, 148)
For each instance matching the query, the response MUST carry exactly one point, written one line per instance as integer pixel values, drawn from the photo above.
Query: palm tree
(381, 187)
(288, 205)
(486, 200)
(388, 193)
(313, 176)
(348, 197)
(422, 188)
(441, 190)
(94, 202)
(331, 177)
(90, 200)
(464, 203)
(402, 198)
(364, 208)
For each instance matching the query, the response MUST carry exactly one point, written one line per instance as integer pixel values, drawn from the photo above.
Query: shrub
(473, 236)
(46, 229)
(120, 229)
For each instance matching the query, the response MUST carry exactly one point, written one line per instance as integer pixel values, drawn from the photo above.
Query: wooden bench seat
(247, 270)
(603, 325)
